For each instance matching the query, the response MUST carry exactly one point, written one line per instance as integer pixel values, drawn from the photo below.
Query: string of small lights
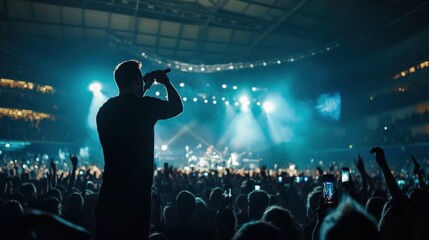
(211, 68)
(413, 69)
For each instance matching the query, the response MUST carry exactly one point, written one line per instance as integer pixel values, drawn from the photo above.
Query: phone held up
(345, 175)
(328, 188)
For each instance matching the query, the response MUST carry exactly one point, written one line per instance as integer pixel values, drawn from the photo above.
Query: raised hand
(53, 166)
(74, 161)
(417, 168)
(160, 76)
(359, 163)
(379, 156)
(148, 80)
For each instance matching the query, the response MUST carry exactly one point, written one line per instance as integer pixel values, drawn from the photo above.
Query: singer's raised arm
(175, 105)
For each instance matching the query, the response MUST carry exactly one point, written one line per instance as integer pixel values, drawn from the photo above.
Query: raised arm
(419, 173)
(367, 183)
(390, 180)
(72, 178)
(175, 105)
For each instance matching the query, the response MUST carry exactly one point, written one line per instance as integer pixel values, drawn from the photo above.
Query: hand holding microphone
(159, 76)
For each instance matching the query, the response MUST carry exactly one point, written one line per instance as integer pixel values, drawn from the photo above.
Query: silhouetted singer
(125, 125)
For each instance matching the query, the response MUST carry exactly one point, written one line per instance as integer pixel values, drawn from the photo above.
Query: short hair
(241, 201)
(258, 202)
(186, 202)
(126, 72)
(258, 230)
(284, 220)
(348, 221)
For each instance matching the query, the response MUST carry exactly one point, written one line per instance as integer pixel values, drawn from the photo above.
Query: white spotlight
(226, 102)
(164, 147)
(195, 99)
(234, 87)
(244, 100)
(223, 85)
(206, 101)
(95, 87)
(214, 102)
(157, 93)
(185, 99)
(268, 107)
(182, 84)
(7, 145)
(254, 89)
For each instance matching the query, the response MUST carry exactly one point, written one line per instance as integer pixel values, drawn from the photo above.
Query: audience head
(170, 215)
(157, 236)
(241, 202)
(421, 198)
(20, 198)
(258, 230)
(29, 191)
(51, 205)
(56, 193)
(313, 203)
(348, 221)
(215, 197)
(73, 206)
(258, 201)
(401, 220)
(282, 219)
(374, 207)
(201, 212)
(185, 204)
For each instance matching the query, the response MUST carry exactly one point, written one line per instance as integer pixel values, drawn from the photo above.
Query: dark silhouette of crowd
(47, 200)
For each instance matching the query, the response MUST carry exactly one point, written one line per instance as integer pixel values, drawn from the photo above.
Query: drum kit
(210, 158)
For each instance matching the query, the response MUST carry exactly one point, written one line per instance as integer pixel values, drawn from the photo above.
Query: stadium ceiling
(212, 31)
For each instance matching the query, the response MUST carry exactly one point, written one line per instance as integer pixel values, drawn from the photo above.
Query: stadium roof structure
(211, 31)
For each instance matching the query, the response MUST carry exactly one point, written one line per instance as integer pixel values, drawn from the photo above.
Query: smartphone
(298, 179)
(206, 174)
(81, 172)
(328, 188)
(257, 187)
(345, 174)
(280, 179)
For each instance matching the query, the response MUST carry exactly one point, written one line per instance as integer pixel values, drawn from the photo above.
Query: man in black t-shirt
(125, 126)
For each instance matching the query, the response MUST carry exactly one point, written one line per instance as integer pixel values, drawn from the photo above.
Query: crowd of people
(46, 199)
